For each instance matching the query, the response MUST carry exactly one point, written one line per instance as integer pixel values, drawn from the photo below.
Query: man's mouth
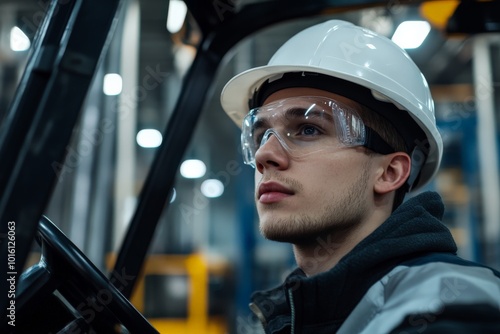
(272, 192)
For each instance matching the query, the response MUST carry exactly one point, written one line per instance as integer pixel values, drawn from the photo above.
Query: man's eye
(309, 130)
(257, 138)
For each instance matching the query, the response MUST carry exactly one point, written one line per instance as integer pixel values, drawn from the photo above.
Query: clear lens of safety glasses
(302, 125)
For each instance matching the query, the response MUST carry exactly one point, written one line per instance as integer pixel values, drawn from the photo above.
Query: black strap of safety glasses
(376, 143)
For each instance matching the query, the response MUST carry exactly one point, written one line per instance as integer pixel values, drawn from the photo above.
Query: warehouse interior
(206, 255)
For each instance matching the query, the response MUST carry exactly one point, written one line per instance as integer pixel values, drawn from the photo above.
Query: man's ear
(393, 172)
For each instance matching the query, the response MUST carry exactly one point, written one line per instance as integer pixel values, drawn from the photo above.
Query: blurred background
(207, 255)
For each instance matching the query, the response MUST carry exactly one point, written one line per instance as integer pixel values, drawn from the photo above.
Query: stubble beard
(344, 211)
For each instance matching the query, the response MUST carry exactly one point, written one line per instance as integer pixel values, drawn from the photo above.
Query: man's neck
(325, 251)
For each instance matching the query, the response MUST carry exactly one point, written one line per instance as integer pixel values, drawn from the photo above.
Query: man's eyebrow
(260, 123)
(295, 112)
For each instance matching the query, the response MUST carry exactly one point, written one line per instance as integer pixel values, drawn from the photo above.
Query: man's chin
(288, 236)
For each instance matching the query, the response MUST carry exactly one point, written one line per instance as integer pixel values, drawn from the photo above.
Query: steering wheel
(65, 284)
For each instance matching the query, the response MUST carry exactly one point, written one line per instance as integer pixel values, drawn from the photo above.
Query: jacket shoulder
(427, 285)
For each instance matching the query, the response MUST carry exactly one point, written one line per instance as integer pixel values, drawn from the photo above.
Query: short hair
(388, 132)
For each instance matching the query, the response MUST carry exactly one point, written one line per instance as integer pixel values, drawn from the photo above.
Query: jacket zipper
(292, 310)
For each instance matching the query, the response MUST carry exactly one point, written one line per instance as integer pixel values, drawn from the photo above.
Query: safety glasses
(307, 125)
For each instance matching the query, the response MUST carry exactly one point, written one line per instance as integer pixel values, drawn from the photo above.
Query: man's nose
(271, 153)
(266, 136)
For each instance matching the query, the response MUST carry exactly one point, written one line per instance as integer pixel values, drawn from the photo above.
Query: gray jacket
(405, 277)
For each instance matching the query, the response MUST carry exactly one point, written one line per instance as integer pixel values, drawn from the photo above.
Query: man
(341, 125)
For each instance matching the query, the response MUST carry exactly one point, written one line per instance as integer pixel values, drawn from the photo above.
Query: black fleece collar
(325, 300)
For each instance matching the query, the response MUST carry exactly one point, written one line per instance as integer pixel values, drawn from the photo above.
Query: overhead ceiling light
(18, 40)
(212, 188)
(193, 169)
(149, 138)
(177, 11)
(112, 84)
(411, 34)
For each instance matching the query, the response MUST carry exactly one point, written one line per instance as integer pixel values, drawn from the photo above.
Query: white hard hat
(353, 56)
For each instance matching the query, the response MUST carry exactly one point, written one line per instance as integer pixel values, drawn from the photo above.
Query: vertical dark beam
(246, 241)
(162, 173)
(470, 167)
(33, 176)
(14, 132)
(39, 69)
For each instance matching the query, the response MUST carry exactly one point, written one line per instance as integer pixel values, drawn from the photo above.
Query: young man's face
(301, 198)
